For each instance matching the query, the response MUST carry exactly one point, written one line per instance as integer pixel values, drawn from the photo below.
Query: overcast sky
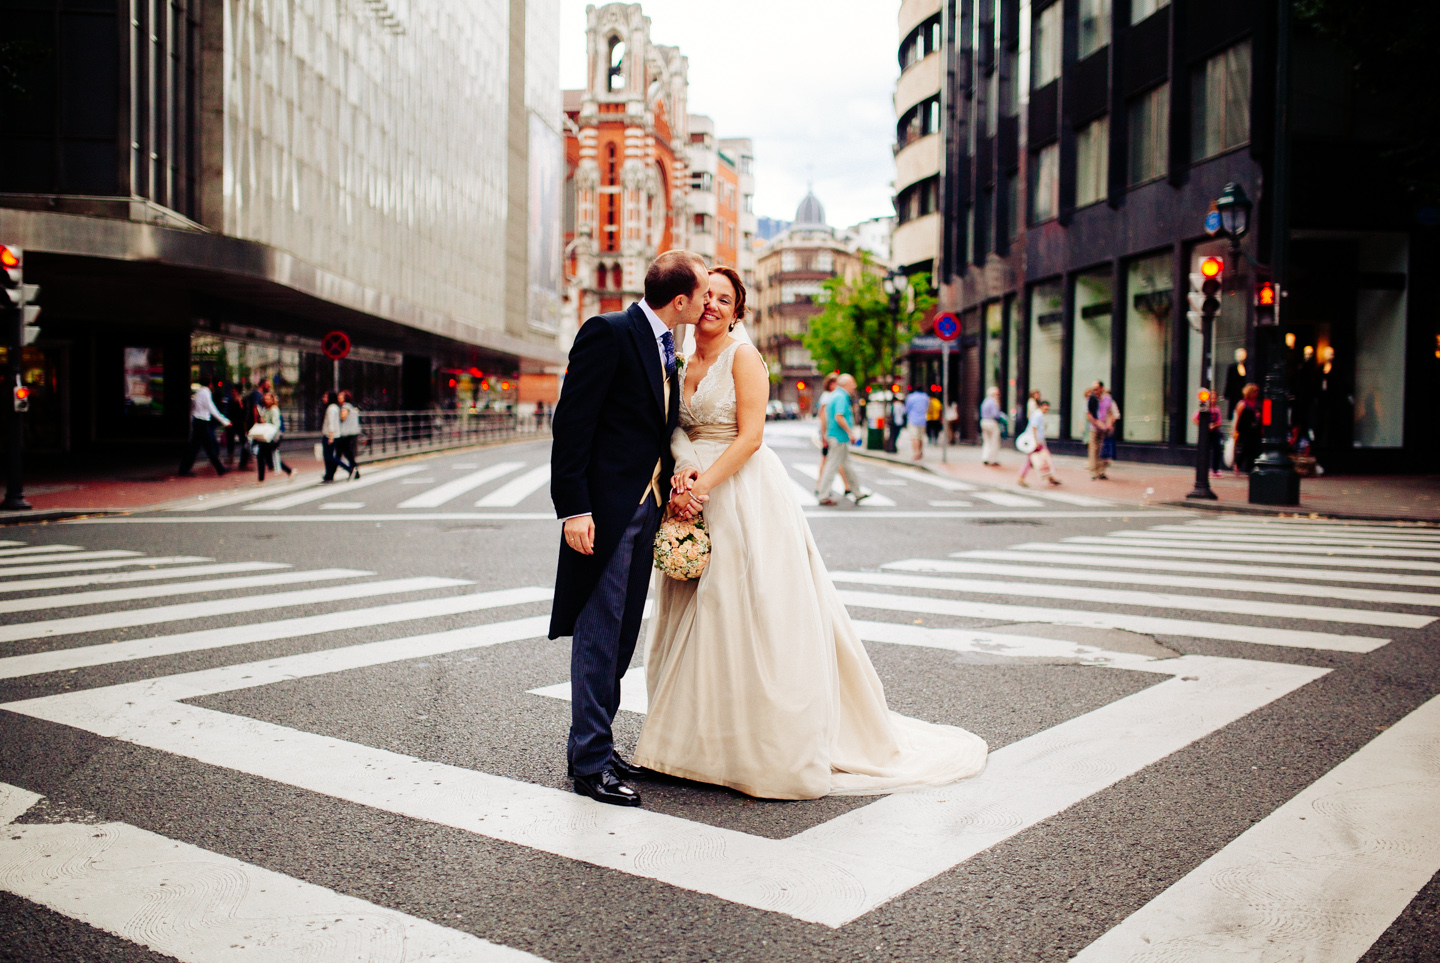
(810, 81)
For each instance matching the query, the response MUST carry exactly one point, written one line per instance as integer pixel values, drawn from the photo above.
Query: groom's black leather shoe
(605, 787)
(627, 770)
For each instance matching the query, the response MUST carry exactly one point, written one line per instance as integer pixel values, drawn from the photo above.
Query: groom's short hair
(672, 274)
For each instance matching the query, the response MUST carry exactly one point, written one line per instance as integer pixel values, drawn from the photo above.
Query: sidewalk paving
(1407, 498)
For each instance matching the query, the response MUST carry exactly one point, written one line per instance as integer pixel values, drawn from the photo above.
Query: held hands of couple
(688, 494)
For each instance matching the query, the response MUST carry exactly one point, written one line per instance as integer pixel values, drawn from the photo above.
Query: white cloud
(810, 81)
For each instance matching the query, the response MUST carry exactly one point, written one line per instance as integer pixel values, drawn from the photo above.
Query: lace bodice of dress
(714, 400)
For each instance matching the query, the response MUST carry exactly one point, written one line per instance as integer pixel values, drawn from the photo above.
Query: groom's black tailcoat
(610, 427)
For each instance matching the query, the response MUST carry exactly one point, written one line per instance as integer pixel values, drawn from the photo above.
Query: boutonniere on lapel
(679, 364)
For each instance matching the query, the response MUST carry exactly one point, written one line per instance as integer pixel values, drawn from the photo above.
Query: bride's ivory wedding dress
(757, 679)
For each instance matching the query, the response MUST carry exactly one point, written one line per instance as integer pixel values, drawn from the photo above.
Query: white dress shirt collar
(656, 325)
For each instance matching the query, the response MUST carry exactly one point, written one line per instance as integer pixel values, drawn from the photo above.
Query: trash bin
(874, 425)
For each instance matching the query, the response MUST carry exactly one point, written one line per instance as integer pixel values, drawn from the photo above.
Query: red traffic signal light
(1212, 267)
(22, 398)
(1265, 294)
(9, 257)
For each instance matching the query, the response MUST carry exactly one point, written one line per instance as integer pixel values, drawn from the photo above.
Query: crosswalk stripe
(1100, 546)
(198, 610)
(1007, 499)
(116, 578)
(1218, 568)
(1304, 533)
(105, 596)
(38, 550)
(950, 503)
(1257, 585)
(1256, 524)
(1320, 878)
(1144, 624)
(8, 542)
(61, 660)
(1157, 600)
(1232, 544)
(198, 906)
(517, 490)
(227, 499)
(831, 874)
(837, 487)
(998, 646)
(321, 492)
(935, 481)
(70, 556)
(804, 496)
(441, 494)
(135, 559)
(1070, 498)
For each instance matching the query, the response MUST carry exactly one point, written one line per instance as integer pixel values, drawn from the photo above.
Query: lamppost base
(14, 503)
(1203, 493)
(1274, 487)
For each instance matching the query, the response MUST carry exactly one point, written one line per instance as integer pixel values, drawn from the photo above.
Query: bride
(756, 677)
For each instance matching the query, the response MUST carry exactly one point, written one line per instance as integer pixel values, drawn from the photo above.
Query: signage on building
(947, 327)
(336, 345)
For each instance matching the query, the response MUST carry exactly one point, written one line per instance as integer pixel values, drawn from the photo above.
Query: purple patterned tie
(667, 341)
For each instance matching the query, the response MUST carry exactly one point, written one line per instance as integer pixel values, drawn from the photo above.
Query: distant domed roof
(810, 212)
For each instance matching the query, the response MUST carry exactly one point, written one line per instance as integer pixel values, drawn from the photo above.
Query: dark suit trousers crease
(605, 635)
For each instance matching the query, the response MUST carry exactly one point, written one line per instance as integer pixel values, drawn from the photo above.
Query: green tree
(853, 331)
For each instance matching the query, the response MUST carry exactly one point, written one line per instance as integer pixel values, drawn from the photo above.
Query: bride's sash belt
(725, 433)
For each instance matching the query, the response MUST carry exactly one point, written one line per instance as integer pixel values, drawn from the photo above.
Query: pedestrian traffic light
(1266, 296)
(22, 398)
(15, 294)
(1205, 289)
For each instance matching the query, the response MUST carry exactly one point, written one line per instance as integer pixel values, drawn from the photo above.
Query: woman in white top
(329, 430)
(348, 436)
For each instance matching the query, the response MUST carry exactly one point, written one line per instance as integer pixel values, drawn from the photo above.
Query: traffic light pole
(1203, 442)
(14, 440)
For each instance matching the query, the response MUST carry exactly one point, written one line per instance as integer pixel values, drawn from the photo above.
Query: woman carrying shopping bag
(269, 426)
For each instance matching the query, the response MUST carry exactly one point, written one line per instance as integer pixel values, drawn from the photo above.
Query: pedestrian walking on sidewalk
(348, 440)
(990, 416)
(932, 420)
(234, 409)
(329, 431)
(269, 451)
(917, 407)
(203, 416)
(1039, 458)
(829, 392)
(1101, 413)
(836, 417)
(1246, 429)
(897, 423)
(952, 422)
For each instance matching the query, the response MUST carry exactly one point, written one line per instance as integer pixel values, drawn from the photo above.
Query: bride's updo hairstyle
(733, 277)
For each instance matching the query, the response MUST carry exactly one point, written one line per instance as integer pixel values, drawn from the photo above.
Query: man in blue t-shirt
(917, 408)
(835, 418)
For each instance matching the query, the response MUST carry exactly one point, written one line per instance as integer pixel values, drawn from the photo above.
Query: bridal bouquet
(682, 547)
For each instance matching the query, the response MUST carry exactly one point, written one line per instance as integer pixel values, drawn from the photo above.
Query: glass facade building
(178, 169)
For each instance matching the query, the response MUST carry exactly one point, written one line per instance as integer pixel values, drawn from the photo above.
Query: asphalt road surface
(323, 723)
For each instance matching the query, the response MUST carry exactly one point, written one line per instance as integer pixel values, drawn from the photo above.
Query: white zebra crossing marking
(135, 559)
(206, 503)
(1320, 878)
(72, 557)
(199, 610)
(1218, 568)
(8, 542)
(1007, 499)
(517, 490)
(1336, 529)
(105, 596)
(341, 506)
(1144, 624)
(60, 660)
(198, 906)
(950, 503)
(1259, 586)
(1157, 600)
(1238, 543)
(329, 491)
(1069, 498)
(830, 874)
(935, 481)
(441, 494)
(1399, 538)
(1100, 546)
(117, 578)
(38, 550)
(837, 487)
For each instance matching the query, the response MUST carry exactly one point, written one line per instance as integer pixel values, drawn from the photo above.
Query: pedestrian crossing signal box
(22, 398)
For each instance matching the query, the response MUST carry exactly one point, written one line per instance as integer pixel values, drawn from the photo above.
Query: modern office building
(1065, 177)
(208, 188)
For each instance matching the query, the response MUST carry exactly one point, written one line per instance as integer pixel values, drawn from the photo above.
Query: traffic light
(1267, 294)
(22, 398)
(1205, 289)
(15, 294)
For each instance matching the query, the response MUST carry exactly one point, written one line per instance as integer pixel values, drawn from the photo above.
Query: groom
(610, 477)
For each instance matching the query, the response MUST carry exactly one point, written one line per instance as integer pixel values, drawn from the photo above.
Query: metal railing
(398, 432)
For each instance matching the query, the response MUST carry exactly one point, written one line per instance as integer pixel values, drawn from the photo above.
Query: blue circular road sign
(947, 327)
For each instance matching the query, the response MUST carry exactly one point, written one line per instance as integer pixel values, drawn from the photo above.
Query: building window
(1047, 334)
(617, 64)
(1220, 103)
(1045, 184)
(920, 43)
(824, 261)
(610, 166)
(1045, 47)
(789, 261)
(1147, 348)
(917, 200)
(992, 369)
(918, 121)
(702, 223)
(1090, 340)
(1092, 162)
(702, 181)
(1149, 134)
(1141, 9)
(749, 203)
(1094, 26)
